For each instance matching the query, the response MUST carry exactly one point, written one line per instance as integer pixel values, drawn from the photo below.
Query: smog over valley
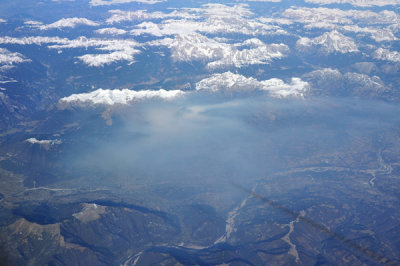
(166, 132)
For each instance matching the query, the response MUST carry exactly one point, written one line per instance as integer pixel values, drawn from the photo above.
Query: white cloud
(386, 55)
(3, 20)
(114, 2)
(360, 3)
(329, 42)
(112, 97)
(9, 59)
(45, 142)
(111, 31)
(227, 82)
(196, 47)
(230, 83)
(68, 23)
(33, 23)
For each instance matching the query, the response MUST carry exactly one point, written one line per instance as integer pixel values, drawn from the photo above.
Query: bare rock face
(45, 240)
(90, 212)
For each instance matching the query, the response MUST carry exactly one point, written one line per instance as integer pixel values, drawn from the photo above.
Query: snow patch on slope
(386, 55)
(9, 59)
(328, 43)
(117, 49)
(230, 82)
(359, 3)
(115, 2)
(111, 31)
(68, 23)
(196, 47)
